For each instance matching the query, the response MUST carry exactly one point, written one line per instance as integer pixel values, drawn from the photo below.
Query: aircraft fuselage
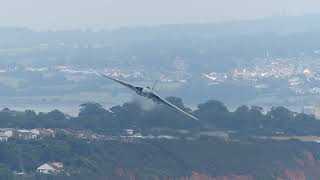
(147, 93)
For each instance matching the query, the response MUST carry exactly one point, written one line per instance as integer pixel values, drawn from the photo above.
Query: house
(35, 131)
(7, 131)
(129, 131)
(25, 135)
(3, 137)
(9, 134)
(47, 133)
(51, 168)
(5, 134)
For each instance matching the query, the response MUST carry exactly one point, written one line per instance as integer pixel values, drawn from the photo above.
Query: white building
(129, 131)
(3, 137)
(51, 168)
(47, 133)
(26, 134)
(5, 134)
(35, 131)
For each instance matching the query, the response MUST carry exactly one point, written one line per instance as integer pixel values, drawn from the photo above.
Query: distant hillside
(278, 24)
(220, 46)
(164, 159)
(258, 62)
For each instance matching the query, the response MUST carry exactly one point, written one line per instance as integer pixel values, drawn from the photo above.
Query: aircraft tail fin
(154, 85)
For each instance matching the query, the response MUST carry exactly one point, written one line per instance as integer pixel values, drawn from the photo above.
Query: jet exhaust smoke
(145, 104)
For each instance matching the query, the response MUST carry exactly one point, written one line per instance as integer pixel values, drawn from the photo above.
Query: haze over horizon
(110, 14)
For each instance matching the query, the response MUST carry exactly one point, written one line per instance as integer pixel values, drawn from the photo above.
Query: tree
(56, 115)
(30, 113)
(94, 115)
(248, 118)
(90, 109)
(279, 116)
(214, 112)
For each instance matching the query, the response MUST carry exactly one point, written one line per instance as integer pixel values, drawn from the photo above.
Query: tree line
(212, 114)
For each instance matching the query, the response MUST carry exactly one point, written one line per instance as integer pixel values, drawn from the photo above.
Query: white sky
(66, 14)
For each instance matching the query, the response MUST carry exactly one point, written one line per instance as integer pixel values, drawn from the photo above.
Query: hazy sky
(65, 14)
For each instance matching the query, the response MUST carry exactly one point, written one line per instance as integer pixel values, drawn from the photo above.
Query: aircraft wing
(167, 103)
(130, 86)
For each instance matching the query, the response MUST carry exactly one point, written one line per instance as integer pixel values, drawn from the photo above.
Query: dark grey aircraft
(148, 92)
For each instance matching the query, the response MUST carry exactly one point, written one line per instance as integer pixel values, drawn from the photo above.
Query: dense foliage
(212, 114)
(154, 158)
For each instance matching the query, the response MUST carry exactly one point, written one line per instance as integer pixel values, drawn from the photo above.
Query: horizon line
(133, 27)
